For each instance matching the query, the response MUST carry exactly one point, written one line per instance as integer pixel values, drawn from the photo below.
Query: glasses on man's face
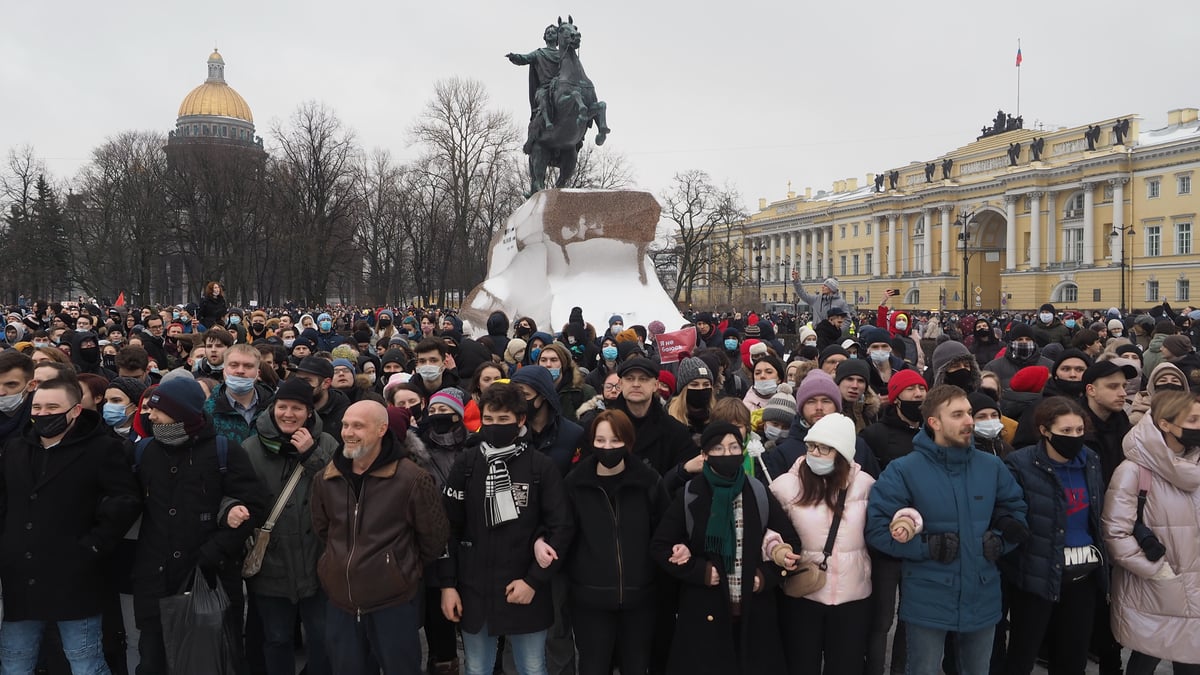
(819, 449)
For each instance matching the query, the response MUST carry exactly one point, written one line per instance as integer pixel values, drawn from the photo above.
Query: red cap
(902, 380)
(1030, 379)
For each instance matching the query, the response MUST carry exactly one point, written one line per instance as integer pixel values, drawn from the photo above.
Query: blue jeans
(278, 617)
(391, 636)
(529, 651)
(925, 646)
(81, 639)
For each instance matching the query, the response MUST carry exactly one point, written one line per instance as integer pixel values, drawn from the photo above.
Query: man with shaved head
(382, 521)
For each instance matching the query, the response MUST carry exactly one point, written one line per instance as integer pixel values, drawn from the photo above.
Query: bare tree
(378, 215)
(601, 168)
(700, 210)
(119, 223)
(467, 150)
(314, 178)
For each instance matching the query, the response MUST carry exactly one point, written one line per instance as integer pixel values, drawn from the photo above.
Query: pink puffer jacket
(1159, 617)
(849, 575)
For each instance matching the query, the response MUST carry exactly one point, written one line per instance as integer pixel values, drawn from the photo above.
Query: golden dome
(215, 98)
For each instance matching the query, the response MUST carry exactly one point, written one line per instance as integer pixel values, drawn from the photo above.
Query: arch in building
(1066, 292)
(913, 296)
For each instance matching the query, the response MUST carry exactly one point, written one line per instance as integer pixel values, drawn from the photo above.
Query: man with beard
(375, 551)
(952, 363)
(973, 512)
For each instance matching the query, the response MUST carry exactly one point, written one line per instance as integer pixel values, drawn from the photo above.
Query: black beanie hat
(715, 433)
(296, 389)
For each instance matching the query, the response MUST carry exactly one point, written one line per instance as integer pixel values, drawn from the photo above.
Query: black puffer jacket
(610, 565)
(1036, 566)
(663, 442)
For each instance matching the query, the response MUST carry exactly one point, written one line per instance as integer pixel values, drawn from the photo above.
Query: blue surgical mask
(235, 320)
(114, 414)
(534, 353)
(731, 345)
(174, 315)
(554, 373)
(610, 353)
(239, 385)
(1070, 323)
(326, 325)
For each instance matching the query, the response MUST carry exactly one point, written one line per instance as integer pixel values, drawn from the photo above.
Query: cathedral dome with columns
(214, 112)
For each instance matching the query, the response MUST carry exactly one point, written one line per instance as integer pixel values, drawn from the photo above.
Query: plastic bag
(196, 636)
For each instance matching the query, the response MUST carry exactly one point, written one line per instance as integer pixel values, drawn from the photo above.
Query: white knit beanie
(837, 431)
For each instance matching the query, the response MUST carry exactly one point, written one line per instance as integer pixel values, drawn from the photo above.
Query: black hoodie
(89, 363)
(389, 451)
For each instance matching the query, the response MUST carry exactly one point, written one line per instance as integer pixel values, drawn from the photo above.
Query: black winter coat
(889, 438)
(183, 488)
(484, 560)
(663, 442)
(703, 641)
(609, 565)
(1036, 566)
(64, 510)
(1105, 437)
(211, 310)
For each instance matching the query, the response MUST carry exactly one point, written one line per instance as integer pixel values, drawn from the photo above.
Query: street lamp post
(963, 222)
(758, 249)
(1119, 232)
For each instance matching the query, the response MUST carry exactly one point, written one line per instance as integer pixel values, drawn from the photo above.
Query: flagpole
(1018, 79)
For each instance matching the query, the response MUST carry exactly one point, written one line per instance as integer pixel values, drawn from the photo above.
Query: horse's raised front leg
(599, 111)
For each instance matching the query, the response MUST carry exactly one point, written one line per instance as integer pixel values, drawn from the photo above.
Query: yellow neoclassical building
(1090, 217)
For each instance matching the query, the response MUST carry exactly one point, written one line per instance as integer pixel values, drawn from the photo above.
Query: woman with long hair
(825, 496)
(1151, 523)
(568, 381)
(694, 403)
(213, 307)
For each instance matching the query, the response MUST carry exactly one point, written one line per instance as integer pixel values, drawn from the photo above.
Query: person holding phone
(821, 303)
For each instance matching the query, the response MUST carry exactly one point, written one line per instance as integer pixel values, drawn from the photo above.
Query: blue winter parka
(958, 490)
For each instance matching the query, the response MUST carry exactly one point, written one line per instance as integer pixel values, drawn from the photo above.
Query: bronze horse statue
(571, 107)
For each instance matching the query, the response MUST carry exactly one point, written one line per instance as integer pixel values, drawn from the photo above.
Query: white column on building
(891, 256)
(791, 252)
(747, 256)
(769, 263)
(827, 235)
(927, 259)
(815, 235)
(1089, 223)
(947, 238)
(877, 254)
(802, 255)
(1035, 230)
(1118, 219)
(904, 243)
(1010, 238)
(1051, 235)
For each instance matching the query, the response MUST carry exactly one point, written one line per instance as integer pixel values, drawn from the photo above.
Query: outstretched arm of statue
(519, 59)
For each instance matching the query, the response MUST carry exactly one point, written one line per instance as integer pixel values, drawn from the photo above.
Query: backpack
(222, 452)
(760, 498)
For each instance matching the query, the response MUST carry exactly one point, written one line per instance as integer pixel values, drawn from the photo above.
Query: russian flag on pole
(1018, 57)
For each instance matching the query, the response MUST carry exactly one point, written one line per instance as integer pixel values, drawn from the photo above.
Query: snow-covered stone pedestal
(575, 248)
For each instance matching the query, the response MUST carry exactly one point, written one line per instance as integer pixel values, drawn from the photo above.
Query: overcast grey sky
(756, 93)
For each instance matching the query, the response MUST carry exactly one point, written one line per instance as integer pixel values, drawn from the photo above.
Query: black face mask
(1189, 437)
(911, 410)
(384, 323)
(727, 466)
(49, 426)
(89, 355)
(698, 398)
(416, 411)
(500, 435)
(991, 392)
(440, 424)
(1069, 388)
(1170, 386)
(985, 335)
(1068, 446)
(610, 457)
(963, 379)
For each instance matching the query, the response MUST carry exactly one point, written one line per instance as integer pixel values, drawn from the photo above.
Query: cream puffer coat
(1156, 616)
(848, 577)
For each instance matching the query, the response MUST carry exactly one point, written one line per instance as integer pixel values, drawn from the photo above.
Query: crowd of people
(984, 491)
